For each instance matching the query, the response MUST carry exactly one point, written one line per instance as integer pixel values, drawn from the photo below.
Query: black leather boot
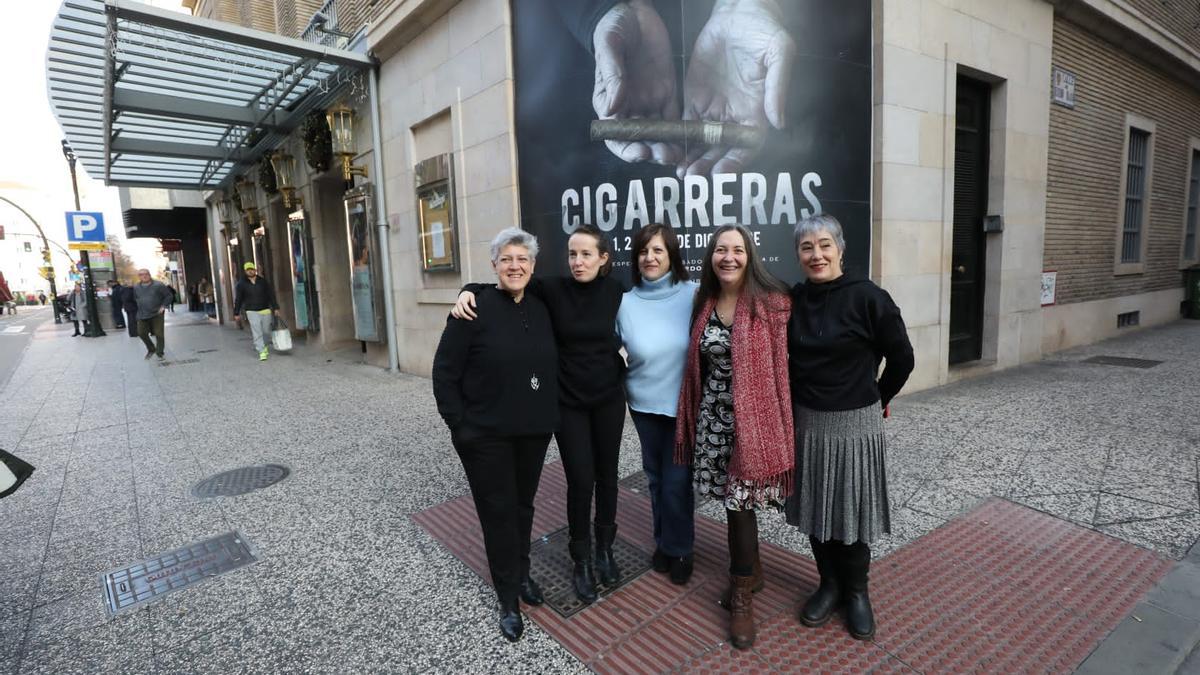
(607, 572)
(582, 576)
(856, 567)
(531, 593)
(820, 605)
(512, 626)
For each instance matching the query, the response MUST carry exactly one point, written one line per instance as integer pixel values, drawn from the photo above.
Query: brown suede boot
(741, 619)
(757, 584)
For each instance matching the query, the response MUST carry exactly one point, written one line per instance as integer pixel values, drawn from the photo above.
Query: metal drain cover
(240, 481)
(180, 362)
(150, 579)
(550, 565)
(1122, 361)
(637, 482)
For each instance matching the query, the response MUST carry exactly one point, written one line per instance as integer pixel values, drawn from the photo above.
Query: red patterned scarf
(764, 440)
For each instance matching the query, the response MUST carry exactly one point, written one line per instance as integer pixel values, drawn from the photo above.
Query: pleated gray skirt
(841, 475)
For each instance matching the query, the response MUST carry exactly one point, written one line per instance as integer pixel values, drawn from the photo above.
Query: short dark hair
(602, 245)
(642, 239)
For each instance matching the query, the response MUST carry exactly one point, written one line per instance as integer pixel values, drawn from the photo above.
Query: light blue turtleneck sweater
(653, 324)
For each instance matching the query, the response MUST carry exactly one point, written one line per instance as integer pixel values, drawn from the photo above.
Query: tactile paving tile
(1002, 588)
(551, 566)
(150, 579)
(241, 481)
(636, 482)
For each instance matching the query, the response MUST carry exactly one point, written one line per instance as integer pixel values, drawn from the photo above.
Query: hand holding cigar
(684, 132)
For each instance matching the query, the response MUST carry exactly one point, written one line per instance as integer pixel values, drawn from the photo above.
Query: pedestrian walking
(193, 299)
(205, 290)
(653, 324)
(583, 308)
(116, 293)
(78, 303)
(152, 298)
(254, 296)
(735, 420)
(174, 299)
(129, 306)
(496, 385)
(841, 327)
(42, 298)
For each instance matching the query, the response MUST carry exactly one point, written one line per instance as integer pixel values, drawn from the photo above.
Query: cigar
(679, 131)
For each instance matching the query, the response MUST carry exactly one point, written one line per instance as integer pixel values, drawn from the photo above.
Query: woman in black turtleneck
(841, 327)
(583, 309)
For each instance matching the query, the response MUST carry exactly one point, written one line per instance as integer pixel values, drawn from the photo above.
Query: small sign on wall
(1062, 87)
(1049, 287)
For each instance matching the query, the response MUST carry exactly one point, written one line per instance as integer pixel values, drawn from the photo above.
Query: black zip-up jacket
(838, 333)
(498, 374)
(253, 297)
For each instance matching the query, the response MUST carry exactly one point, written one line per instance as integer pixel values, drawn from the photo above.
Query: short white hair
(514, 236)
(821, 223)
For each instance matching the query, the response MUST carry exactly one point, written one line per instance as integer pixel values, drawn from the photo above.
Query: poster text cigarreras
(694, 113)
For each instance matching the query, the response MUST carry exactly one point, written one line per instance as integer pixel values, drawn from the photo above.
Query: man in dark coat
(115, 294)
(129, 304)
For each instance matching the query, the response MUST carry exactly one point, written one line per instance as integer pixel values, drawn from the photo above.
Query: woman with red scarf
(735, 418)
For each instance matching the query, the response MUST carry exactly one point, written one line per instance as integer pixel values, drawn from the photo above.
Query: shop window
(1133, 221)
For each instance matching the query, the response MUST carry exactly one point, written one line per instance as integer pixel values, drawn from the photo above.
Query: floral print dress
(715, 428)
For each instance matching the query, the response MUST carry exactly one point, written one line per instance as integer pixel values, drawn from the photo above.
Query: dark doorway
(970, 207)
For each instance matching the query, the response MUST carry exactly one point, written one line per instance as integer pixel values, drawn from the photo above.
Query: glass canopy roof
(154, 98)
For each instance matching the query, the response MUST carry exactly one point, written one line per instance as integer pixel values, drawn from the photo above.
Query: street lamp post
(93, 329)
(45, 257)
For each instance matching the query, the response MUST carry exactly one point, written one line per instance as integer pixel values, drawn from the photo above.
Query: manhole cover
(240, 481)
(180, 362)
(636, 482)
(1122, 361)
(550, 565)
(155, 577)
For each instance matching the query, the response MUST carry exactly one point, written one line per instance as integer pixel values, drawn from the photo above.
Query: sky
(33, 172)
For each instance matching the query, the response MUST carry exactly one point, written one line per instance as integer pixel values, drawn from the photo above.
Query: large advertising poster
(696, 113)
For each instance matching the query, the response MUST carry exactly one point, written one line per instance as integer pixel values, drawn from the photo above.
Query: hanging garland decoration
(318, 143)
(266, 176)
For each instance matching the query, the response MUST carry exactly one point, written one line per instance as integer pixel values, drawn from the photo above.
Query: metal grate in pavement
(179, 362)
(240, 481)
(638, 482)
(150, 579)
(1122, 361)
(550, 565)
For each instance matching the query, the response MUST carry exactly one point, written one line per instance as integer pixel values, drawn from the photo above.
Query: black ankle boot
(582, 576)
(531, 593)
(856, 566)
(512, 626)
(606, 565)
(820, 605)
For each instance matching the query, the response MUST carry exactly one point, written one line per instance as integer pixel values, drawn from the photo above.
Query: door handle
(961, 269)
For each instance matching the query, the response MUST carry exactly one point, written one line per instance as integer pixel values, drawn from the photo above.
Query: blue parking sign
(85, 226)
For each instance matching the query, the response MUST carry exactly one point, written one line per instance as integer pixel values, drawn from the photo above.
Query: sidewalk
(348, 581)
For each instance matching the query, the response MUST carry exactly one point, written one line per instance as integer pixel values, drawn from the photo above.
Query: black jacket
(253, 297)
(498, 374)
(838, 333)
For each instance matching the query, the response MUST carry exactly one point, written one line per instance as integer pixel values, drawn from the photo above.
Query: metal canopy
(153, 98)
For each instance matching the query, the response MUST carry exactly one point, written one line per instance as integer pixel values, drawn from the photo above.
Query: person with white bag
(254, 296)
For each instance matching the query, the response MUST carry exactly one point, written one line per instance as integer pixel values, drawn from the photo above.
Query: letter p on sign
(85, 226)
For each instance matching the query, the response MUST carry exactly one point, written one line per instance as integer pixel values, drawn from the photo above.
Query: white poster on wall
(1049, 287)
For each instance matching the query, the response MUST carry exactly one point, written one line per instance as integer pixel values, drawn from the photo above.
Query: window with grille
(1189, 228)
(1135, 196)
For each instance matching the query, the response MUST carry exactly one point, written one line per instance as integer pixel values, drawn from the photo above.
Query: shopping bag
(13, 472)
(281, 337)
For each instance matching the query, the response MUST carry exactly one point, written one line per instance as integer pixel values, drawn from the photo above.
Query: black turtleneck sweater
(590, 367)
(838, 333)
(498, 374)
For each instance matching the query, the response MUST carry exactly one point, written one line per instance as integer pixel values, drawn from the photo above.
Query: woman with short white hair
(841, 327)
(495, 380)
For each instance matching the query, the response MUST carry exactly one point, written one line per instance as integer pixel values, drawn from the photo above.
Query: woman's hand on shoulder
(464, 307)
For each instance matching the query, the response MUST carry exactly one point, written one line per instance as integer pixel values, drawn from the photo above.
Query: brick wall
(1179, 17)
(1084, 173)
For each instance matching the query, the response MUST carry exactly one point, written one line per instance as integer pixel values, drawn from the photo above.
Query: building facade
(1030, 167)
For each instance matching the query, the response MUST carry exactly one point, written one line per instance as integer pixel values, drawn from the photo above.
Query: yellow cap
(248, 266)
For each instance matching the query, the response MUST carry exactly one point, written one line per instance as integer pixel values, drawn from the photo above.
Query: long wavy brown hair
(759, 282)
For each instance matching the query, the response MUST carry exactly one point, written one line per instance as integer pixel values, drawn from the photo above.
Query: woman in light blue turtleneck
(653, 323)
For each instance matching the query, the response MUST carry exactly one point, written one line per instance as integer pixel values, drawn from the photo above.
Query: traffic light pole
(45, 257)
(93, 324)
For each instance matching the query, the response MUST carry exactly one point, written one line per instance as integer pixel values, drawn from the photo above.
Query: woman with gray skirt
(841, 327)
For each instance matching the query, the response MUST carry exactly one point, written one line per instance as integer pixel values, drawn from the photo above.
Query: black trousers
(504, 474)
(589, 440)
(131, 321)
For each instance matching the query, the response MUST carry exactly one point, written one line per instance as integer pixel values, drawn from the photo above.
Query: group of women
(741, 390)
